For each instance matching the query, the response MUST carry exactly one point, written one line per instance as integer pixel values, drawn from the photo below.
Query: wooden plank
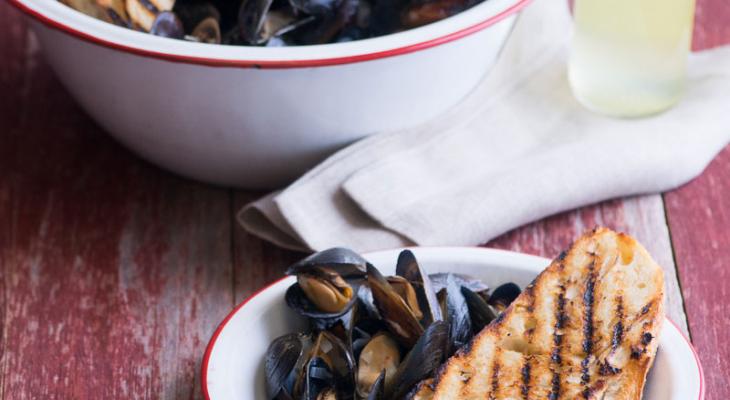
(699, 219)
(114, 273)
(641, 217)
(711, 24)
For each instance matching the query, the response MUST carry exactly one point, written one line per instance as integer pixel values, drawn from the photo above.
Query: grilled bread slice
(586, 328)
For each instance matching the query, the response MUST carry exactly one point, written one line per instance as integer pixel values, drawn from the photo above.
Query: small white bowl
(258, 117)
(233, 362)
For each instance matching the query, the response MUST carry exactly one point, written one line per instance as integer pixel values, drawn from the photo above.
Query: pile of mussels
(270, 22)
(371, 336)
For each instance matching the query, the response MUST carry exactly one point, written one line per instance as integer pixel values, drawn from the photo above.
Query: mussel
(422, 360)
(407, 267)
(326, 283)
(457, 315)
(207, 31)
(300, 301)
(297, 367)
(283, 364)
(504, 295)
(480, 312)
(345, 261)
(395, 311)
(380, 355)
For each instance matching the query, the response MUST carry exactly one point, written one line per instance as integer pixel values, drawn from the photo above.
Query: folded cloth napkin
(519, 148)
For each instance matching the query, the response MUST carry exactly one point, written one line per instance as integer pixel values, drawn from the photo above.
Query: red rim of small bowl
(213, 62)
(214, 338)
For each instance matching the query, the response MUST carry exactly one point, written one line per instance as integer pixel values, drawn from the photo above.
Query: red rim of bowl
(214, 338)
(213, 62)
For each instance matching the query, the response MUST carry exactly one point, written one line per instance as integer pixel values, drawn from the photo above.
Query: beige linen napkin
(519, 148)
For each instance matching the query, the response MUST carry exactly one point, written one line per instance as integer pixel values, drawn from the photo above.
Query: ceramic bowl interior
(233, 364)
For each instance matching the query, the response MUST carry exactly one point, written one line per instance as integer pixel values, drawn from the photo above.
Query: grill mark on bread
(555, 357)
(495, 375)
(588, 303)
(618, 329)
(526, 379)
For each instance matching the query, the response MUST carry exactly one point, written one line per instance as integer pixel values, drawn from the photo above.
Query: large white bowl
(258, 117)
(233, 363)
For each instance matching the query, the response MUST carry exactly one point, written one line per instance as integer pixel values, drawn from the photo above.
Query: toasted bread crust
(585, 328)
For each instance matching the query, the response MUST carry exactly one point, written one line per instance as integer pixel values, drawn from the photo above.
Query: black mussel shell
(315, 7)
(281, 364)
(438, 281)
(480, 312)
(207, 31)
(504, 295)
(192, 12)
(344, 261)
(251, 16)
(395, 313)
(297, 300)
(408, 268)
(422, 361)
(377, 391)
(317, 378)
(365, 297)
(457, 315)
(341, 364)
(341, 326)
(167, 24)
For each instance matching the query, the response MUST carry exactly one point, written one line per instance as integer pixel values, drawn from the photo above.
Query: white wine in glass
(629, 57)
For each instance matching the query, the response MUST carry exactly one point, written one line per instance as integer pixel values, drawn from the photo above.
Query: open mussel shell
(408, 268)
(251, 18)
(480, 312)
(381, 355)
(504, 295)
(207, 31)
(407, 292)
(340, 363)
(299, 301)
(422, 360)
(283, 363)
(457, 315)
(326, 289)
(344, 261)
(395, 312)
(193, 12)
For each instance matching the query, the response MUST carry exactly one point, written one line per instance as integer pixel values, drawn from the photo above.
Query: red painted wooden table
(114, 274)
